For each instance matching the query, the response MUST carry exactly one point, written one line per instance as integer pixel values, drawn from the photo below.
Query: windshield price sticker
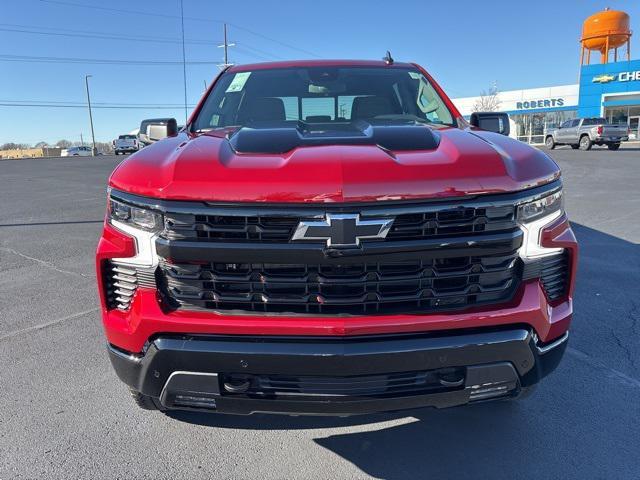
(237, 84)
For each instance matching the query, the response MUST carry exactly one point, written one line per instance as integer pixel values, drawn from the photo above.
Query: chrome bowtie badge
(342, 230)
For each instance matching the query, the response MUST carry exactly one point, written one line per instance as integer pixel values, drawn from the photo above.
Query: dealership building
(610, 89)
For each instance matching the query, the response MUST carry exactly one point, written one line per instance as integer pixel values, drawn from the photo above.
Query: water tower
(605, 31)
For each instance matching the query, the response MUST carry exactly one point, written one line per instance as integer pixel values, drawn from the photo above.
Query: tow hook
(236, 385)
(450, 377)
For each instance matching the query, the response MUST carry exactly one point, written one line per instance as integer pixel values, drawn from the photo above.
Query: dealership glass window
(616, 114)
(626, 115)
(532, 127)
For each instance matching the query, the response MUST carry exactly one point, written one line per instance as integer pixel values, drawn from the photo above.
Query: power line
(62, 32)
(98, 61)
(252, 32)
(195, 19)
(245, 49)
(73, 102)
(116, 107)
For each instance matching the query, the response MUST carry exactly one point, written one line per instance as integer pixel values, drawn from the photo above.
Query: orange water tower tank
(605, 31)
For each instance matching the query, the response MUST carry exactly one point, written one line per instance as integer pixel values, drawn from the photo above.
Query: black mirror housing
(158, 129)
(497, 122)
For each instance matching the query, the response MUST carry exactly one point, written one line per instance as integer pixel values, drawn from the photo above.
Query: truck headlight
(533, 216)
(143, 224)
(137, 217)
(543, 207)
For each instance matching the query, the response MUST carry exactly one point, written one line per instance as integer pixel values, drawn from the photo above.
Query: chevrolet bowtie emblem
(603, 78)
(342, 230)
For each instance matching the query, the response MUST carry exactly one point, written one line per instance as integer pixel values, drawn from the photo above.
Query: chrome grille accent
(122, 281)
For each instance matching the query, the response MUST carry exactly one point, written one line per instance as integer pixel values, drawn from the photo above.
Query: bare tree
(488, 101)
(13, 146)
(63, 143)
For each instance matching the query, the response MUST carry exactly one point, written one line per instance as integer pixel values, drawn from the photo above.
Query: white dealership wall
(530, 100)
(519, 104)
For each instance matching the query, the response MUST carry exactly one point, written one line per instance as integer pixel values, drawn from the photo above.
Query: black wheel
(145, 401)
(574, 146)
(613, 146)
(550, 143)
(585, 143)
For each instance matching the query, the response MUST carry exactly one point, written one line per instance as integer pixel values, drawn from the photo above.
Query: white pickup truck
(126, 144)
(583, 133)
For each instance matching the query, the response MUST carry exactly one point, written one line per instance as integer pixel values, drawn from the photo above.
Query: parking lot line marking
(613, 373)
(47, 324)
(44, 262)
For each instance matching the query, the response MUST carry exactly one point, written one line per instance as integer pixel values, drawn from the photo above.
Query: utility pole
(226, 46)
(81, 140)
(184, 63)
(93, 137)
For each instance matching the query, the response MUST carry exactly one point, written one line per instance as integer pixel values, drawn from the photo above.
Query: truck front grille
(431, 256)
(366, 288)
(411, 224)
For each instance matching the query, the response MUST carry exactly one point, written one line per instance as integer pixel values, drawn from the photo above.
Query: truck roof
(318, 63)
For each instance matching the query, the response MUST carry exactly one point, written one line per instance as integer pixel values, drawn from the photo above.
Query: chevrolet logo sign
(603, 79)
(343, 230)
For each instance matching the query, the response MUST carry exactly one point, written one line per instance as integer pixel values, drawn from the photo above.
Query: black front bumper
(336, 376)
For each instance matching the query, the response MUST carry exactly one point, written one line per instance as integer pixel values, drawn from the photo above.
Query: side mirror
(158, 131)
(497, 122)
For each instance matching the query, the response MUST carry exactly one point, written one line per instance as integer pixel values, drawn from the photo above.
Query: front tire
(613, 146)
(145, 401)
(585, 143)
(550, 143)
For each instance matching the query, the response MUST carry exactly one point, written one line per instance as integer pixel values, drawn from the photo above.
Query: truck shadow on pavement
(582, 422)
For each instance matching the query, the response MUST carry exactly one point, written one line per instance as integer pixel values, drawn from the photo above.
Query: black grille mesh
(368, 288)
(434, 222)
(554, 274)
(372, 386)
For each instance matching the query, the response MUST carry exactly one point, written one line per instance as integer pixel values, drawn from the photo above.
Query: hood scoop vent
(283, 138)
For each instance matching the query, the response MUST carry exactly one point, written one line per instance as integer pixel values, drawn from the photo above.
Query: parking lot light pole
(93, 137)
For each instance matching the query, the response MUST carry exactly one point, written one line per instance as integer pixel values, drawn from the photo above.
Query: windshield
(322, 95)
(126, 137)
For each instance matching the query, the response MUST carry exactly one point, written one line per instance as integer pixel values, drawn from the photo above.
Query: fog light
(195, 402)
(489, 390)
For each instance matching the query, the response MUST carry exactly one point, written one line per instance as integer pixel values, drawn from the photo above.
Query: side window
(565, 124)
(575, 123)
(587, 122)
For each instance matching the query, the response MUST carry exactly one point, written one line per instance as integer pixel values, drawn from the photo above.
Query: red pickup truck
(333, 237)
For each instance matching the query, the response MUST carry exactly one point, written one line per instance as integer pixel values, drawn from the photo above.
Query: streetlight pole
(93, 137)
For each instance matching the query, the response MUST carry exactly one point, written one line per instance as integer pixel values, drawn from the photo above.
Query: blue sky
(466, 45)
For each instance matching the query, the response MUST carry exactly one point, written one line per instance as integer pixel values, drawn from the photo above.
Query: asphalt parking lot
(65, 414)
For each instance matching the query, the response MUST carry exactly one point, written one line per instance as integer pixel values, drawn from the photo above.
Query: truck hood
(460, 163)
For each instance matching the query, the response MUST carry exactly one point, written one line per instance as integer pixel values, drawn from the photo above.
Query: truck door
(571, 133)
(561, 133)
